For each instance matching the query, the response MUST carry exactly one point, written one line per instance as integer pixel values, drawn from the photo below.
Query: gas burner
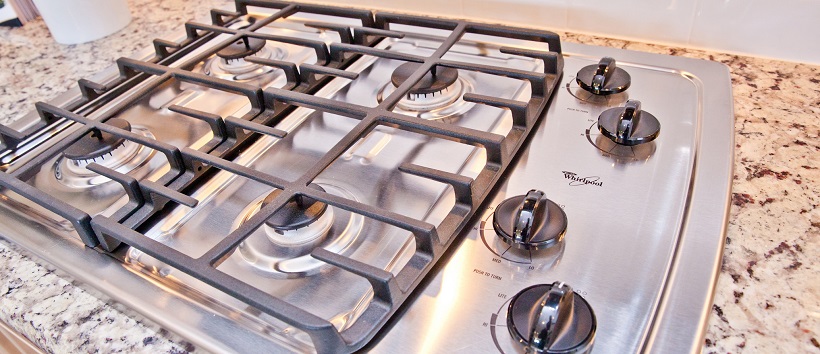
(420, 102)
(104, 149)
(230, 64)
(97, 144)
(301, 222)
(437, 95)
(281, 247)
(241, 48)
(438, 79)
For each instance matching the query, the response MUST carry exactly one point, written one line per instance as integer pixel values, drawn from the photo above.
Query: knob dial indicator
(604, 78)
(629, 125)
(551, 318)
(530, 222)
(519, 259)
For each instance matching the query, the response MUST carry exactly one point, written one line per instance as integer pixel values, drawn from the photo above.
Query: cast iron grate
(270, 106)
(140, 78)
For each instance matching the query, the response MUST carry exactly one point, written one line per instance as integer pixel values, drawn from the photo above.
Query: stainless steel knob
(604, 78)
(551, 319)
(530, 221)
(629, 125)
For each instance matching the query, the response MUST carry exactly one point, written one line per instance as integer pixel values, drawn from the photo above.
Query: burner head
(438, 79)
(241, 48)
(97, 143)
(297, 213)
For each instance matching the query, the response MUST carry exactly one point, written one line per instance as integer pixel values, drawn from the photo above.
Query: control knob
(604, 78)
(530, 222)
(551, 318)
(629, 125)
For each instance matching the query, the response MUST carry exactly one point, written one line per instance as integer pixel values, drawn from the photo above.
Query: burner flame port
(97, 144)
(303, 221)
(105, 149)
(230, 62)
(438, 95)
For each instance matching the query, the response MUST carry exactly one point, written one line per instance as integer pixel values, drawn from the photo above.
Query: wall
(785, 29)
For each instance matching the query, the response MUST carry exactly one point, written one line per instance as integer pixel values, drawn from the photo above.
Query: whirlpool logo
(575, 180)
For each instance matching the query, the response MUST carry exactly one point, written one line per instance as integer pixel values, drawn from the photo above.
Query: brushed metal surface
(646, 226)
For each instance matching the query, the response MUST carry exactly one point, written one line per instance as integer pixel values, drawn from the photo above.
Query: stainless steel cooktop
(645, 223)
(302, 178)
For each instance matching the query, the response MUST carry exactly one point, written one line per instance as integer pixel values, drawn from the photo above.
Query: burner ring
(241, 70)
(436, 80)
(287, 255)
(128, 156)
(97, 143)
(417, 102)
(445, 105)
(241, 48)
(297, 213)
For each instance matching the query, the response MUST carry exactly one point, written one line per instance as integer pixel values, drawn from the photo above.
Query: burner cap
(297, 213)
(97, 143)
(241, 48)
(438, 79)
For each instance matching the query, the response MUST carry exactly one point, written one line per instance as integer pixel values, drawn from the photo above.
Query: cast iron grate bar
(142, 191)
(365, 16)
(383, 282)
(229, 126)
(144, 198)
(319, 47)
(337, 50)
(353, 34)
(78, 218)
(221, 17)
(384, 19)
(214, 121)
(251, 92)
(462, 186)
(291, 70)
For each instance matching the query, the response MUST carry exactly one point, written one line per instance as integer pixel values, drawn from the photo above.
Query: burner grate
(269, 106)
(229, 130)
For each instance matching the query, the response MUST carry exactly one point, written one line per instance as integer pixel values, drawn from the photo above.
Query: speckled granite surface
(768, 295)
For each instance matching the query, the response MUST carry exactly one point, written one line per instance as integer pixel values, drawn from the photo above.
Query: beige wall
(785, 29)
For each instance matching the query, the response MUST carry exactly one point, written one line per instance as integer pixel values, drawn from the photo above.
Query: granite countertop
(768, 293)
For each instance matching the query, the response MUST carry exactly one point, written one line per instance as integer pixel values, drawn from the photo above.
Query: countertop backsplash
(782, 30)
(768, 293)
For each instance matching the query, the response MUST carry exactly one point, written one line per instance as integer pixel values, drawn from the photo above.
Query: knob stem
(603, 78)
(530, 222)
(527, 218)
(629, 120)
(550, 318)
(602, 74)
(629, 125)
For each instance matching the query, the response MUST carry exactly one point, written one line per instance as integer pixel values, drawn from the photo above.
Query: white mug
(79, 21)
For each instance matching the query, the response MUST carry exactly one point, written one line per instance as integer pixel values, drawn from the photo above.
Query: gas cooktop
(298, 178)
